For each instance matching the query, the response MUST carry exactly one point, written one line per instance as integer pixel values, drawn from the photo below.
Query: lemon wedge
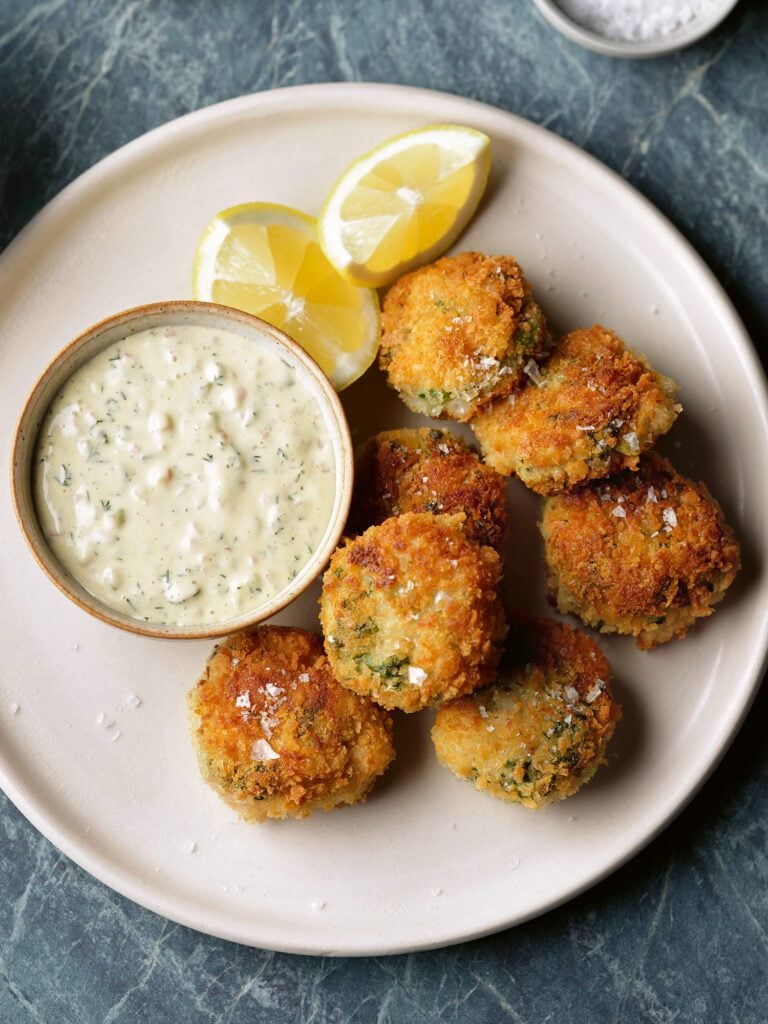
(404, 202)
(266, 259)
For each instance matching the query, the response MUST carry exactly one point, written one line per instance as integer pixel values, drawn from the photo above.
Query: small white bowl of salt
(635, 28)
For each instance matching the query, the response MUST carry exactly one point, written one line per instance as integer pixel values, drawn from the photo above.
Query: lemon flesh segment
(266, 259)
(404, 203)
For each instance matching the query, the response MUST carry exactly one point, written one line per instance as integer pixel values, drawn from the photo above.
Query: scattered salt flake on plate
(115, 736)
(14, 708)
(132, 701)
(191, 846)
(318, 904)
(437, 892)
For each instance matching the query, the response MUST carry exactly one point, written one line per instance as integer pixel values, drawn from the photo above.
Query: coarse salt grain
(670, 518)
(532, 370)
(416, 675)
(243, 700)
(595, 692)
(262, 751)
(619, 512)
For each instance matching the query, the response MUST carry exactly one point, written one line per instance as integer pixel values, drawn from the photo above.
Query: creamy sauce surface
(186, 475)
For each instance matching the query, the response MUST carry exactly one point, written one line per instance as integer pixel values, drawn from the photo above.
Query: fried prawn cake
(428, 470)
(643, 553)
(539, 732)
(411, 613)
(592, 409)
(458, 332)
(276, 735)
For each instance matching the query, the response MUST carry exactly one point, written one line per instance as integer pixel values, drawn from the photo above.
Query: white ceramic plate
(427, 860)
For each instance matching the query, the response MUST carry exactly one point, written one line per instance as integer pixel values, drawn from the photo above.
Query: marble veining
(678, 936)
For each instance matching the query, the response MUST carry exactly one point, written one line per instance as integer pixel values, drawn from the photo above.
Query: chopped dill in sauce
(185, 475)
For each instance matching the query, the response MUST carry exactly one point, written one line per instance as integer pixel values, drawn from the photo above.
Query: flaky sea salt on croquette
(276, 735)
(644, 553)
(411, 613)
(591, 411)
(459, 331)
(428, 470)
(540, 730)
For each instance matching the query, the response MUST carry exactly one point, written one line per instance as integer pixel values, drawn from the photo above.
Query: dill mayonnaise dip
(185, 475)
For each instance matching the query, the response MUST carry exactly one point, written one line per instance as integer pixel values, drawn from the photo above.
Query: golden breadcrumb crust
(458, 331)
(643, 553)
(410, 611)
(594, 408)
(276, 735)
(428, 470)
(539, 732)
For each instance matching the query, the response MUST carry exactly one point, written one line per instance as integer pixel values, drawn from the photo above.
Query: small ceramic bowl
(687, 34)
(89, 344)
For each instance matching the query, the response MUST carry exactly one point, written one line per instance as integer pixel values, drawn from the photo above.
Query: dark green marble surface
(681, 933)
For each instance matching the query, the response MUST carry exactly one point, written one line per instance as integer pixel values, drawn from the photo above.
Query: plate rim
(399, 98)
